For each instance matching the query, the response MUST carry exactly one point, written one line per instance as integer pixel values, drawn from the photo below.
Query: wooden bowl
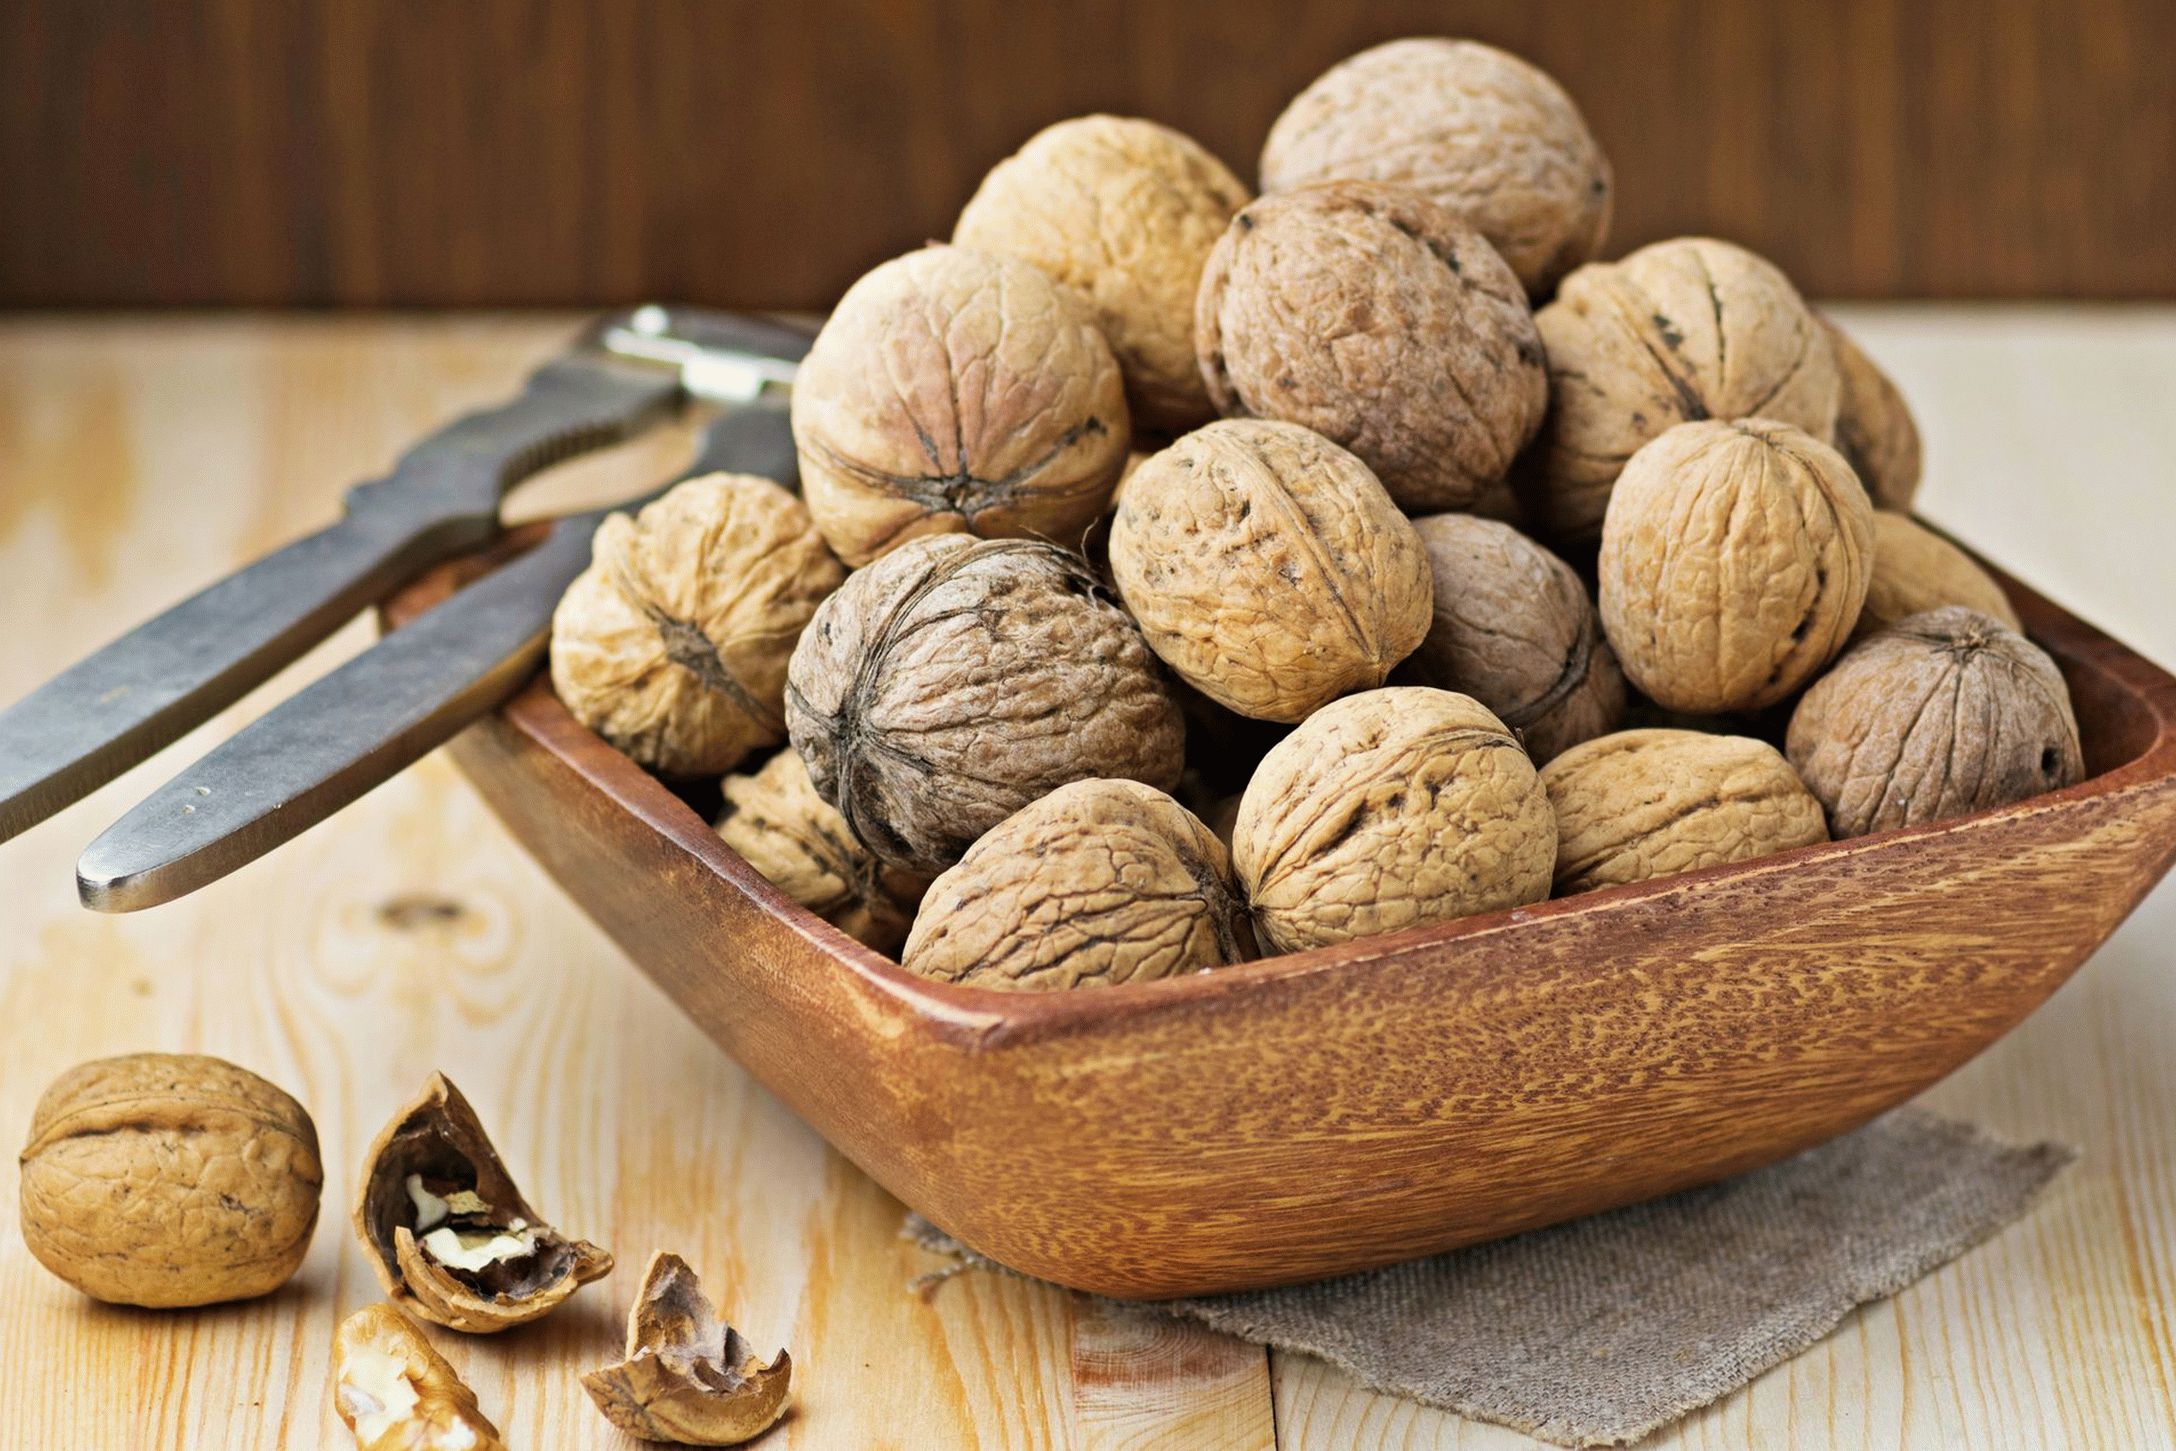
(1349, 1107)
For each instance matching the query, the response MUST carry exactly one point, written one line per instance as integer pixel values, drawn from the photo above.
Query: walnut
(954, 391)
(397, 1393)
(1916, 569)
(672, 645)
(1734, 563)
(1942, 713)
(1478, 130)
(955, 680)
(167, 1179)
(783, 829)
(1652, 803)
(1381, 321)
(1100, 882)
(1677, 332)
(1874, 428)
(688, 1378)
(449, 1234)
(1124, 212)
(1386, 810)
(1268, 568)
(1515, 630)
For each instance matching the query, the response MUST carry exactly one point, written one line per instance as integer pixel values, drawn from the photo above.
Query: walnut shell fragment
(169, 1179)
(1098, 883)
(672, 645)
(1942, 713)
(1916, 569)
(1652, 803)
(397, 1393)
(1389, 809)
(447, 1231)
(1384, 323)
(955, 680)
(688, 1378)
(1874, 428)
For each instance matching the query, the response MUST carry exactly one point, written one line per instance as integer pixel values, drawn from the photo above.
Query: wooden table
(140, 458)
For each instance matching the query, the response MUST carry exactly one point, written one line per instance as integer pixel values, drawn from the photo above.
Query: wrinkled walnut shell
(1942, 713)
(688, 1377)
(1874, 428)
(1916, 569)
(397, 1393)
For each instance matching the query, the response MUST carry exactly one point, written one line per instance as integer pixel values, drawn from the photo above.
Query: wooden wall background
(763, 152)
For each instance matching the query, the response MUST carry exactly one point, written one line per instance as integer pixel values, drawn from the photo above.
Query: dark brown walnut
(672, 645)
(168, 1179)
(955, 680)
(1874, 428)
(397, 1393)
(1124, 212)
(1942, 713)
(1378, 319)
(1652, 803)
(1387, 810)
(953, 391)
(1096, 884)
(1515, 630)
(447, 1231)
(1916, 569)
(1677, 332)
(1268, 568)
(1734, 563)
(778, 823)
(688, 1377)
(1478, 130)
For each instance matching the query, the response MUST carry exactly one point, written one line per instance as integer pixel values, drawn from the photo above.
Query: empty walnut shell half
(397, 1393)
(1942, 713)
(1916, 569)
(688, 1378)
(449, 1234)
(1874, 428)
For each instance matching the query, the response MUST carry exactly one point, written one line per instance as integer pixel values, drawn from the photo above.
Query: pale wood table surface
(140, 458)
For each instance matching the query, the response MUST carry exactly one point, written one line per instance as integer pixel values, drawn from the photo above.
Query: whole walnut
(1100, 882)
(801, 844)
(1677, 332)
(954, 391)
(1916, 569)
(1124, 212)
(1874, 428)
(1652, 803)
(672, 645)
(1381, 321)
(1942, 713)
(1477, 129)
(1734, 562)
(955, 680)
(1268, 568)
(168, 1179)
(1390, 809)
(1515, 630)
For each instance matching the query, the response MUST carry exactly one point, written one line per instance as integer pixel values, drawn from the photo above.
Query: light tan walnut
(397, 1393)
(1268, 568)
(1874, 428)
(1916, 569)
(1479, 130)
(1734, 563)
(672, 645)
(1388, 810)
(1124, 212)
(1941, 714)
(1381, 321)
(688, 1377)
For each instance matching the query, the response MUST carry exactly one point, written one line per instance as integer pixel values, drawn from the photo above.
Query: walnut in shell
(1916, 569)
(1387, 810)
(688, 1377)
(1124, 212)
(1874, 428)
(1098, 883)
(1515, 630)
(1677, 332)
(397, 1393)
(1652, 803)
(1478, 130)
(955, 680)
(449, 1234)
(1942, 713)
(672, 645)
(167, 1179)
(954, 391)
(1381, 321)
(1734, 563)
(1268, 568)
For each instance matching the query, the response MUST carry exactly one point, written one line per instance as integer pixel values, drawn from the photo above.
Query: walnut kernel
(397, 1393)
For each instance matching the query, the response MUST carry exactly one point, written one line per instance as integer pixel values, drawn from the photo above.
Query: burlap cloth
(1598, 1332)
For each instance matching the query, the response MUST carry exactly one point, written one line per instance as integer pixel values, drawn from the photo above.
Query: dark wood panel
(763, 152)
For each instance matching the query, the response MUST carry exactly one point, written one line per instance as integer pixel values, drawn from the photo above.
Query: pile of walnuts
(1360, 518)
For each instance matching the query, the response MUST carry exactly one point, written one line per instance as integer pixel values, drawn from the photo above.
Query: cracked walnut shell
(688, 1377)
(1874, 428)
(1916, 569)
(397, 1393)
